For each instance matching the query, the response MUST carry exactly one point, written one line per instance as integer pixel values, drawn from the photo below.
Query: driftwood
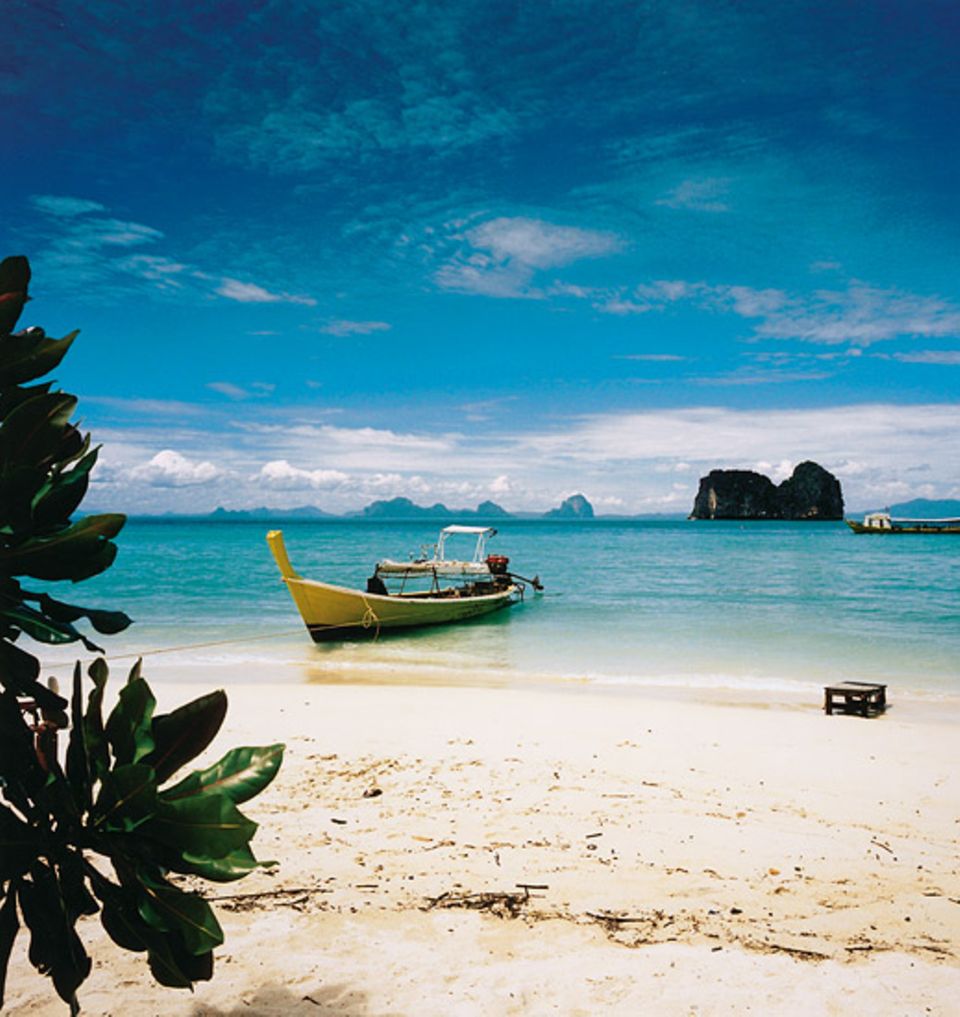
(503, 905)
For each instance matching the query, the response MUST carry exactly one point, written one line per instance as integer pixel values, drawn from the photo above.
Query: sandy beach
(573, 851)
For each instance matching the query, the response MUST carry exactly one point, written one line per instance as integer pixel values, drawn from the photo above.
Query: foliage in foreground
(101, 830)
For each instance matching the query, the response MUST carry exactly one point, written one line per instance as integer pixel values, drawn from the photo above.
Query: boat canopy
(954, 521)
(480, 532)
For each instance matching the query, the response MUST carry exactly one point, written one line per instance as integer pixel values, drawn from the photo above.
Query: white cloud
(228, 389)
(251, 293)
(655, 358)
(636, 457)
(61, 205)
(540, 244)
(171, 469)
(500, 257)
(857, 316)
(860, 315)
(281, 475)
(944, 358)
(342, 327)
(148, 407)
(699, 195)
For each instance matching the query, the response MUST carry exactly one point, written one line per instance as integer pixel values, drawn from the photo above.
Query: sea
(660, 604)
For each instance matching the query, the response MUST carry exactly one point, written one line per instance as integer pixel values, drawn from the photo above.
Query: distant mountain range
(925, 508)
(574, 508)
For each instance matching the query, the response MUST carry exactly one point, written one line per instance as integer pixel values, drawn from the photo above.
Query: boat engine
(497, 563)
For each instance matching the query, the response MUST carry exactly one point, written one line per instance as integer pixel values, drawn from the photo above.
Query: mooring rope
(190, 646)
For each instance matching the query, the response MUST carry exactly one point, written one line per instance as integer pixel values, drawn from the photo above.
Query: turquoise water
(662, 603)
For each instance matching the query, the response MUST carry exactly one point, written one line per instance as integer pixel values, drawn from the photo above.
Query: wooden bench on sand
(865, 698)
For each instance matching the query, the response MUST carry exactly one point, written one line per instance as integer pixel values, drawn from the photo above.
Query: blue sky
(329, 252)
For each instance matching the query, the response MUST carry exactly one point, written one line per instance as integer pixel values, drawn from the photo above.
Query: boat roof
(469, 529)
(903, 519)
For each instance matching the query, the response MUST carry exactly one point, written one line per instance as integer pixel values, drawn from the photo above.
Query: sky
(327, 252)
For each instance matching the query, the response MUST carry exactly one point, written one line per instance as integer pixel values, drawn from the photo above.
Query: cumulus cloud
(171, 469)
(281, 475)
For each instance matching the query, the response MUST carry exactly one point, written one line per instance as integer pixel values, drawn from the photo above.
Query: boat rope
(188, 646)
(370, 618)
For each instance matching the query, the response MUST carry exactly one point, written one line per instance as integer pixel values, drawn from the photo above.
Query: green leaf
(127, 799)
(30, 355)
(22, 775)
(240, 774)
(166, 908)
(34, 432)
(169, 961)
(19, 672)
(12, 397)
(78, 552)
(209, 826)
(9, 927)
(183, 734)
(61, 493)
(37, 625)
(76, 897)
(233, 866)
(107, 622)
(55, 948)
(78, 759)
(129, 726)
(94, 735)
(14, 283)
(19, 845)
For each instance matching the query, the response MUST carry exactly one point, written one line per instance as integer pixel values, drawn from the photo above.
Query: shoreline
(300, 665)
(536, 851)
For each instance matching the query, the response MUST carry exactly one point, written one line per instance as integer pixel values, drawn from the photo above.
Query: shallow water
(670, 603)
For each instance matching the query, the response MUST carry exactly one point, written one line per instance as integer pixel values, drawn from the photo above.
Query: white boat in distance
(433, 590)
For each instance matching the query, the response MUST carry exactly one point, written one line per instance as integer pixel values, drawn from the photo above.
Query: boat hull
(902, 528)
(333, 613)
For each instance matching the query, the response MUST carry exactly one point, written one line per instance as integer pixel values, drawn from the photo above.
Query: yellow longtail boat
(455, 591)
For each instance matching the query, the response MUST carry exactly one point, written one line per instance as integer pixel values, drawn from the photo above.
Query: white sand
(696, 858)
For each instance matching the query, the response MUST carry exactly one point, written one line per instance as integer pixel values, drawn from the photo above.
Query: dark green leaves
(55, 947)
(9, 927)
(241, 774)
(106, 802)
(205, 826)
(80, 551)
(182, 735)
(128, 798)
(14, 282)
(31, 355)
(129, 726)
(109, 802)
(19, 845)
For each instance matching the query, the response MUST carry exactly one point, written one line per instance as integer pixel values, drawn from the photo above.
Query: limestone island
(810, 493)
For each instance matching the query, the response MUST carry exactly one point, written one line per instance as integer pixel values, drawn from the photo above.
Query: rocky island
(810, 493)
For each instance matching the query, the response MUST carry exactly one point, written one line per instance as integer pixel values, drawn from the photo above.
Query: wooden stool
(866, 698)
